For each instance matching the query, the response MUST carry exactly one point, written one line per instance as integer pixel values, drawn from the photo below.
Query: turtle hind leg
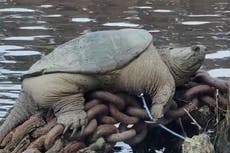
(70, 112)
(21, 111)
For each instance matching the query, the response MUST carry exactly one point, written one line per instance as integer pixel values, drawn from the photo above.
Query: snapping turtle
(116, 59)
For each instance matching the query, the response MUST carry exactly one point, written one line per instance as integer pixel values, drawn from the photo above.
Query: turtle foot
(157, 110)
(73, 120)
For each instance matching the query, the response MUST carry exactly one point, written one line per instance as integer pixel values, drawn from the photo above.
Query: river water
(30, 29)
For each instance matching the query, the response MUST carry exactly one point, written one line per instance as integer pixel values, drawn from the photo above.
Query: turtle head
(184, 62)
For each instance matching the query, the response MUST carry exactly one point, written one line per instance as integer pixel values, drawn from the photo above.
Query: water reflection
(144, 7)
(204, 15)
(9, 47)
(221, 72)
(7, 102)
(121, 147)
(22, 53)
(52, 15)
(34, 28)
(121, 24)
(17, 10)
(195, 22)
(26, 38)
(46, 6)
(83, 20)
(8, 95)
(163, 11)
(6, 71)
(219, 55)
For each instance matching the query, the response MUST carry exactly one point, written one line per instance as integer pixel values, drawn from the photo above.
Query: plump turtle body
(123, 60)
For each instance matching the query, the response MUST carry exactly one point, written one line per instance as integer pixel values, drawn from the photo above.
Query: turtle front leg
(70, 112)
(162, 100)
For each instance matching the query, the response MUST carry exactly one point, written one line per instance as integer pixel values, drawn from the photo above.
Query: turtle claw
(82, 130)
(73, 133)
(66, 129)
(72, 121)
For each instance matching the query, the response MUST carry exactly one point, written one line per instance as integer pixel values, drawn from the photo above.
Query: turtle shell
(95, 52)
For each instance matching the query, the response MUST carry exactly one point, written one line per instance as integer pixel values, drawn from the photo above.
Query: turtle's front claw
(72, 121)
(73, 132)
(66, 128)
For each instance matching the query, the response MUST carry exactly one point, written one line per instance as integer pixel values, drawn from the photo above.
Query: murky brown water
(32, 28)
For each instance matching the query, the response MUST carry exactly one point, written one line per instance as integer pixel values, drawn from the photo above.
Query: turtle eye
(196, 48)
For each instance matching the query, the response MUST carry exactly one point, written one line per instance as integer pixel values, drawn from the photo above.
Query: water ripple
(6, 107)
(9, 47)
(17, 16)
(221, 72)
(220, 37)
(6, 71)
(162, 11)
(46, 6)
(12, 87)
(52, 15)
(17, 10)
(133, 18)
(7, 101)
(123, 148)
(8, 62)
(8, 95)
(26, 38)
(3, 113)
(82, 20)
(143, 7)
(22, 53)
(204, 15)
(120, 24)
(154, 31)
(34, 28)
(218, 55)
(195, 22)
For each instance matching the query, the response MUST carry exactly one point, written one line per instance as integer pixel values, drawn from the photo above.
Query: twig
(194, 121)
(228, 105)
(217, 114)
(217, 105)
(182, 127)
(207, 124)
(160, 125)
